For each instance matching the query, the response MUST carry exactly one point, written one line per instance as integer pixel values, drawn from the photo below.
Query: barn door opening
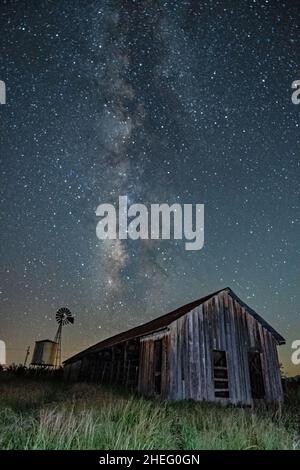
(157, 366)
(256, 375)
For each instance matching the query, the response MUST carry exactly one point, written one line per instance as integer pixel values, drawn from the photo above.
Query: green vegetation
(44, 414)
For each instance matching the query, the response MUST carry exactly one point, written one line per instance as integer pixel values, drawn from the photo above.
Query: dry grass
(53, 415)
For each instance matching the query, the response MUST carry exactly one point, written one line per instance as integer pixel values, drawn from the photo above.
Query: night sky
(162, 101)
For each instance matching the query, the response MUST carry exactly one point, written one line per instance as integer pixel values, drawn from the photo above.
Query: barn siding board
(236, 314)
(207, 353)
(246, 356)
(173, 356)
(237, 350)
(142, 368)
(209, 348)
(185, 353)
(265, 364)
(176, 360)
(151, 367)
(271, 369)
(193, 355)
(278, 373)
(189, 354)
(168, 378)
(228, 348)
(147, 380)
(275, 369)
(252, 332)
(197, 357)
(202, 360)
(221, 323)
(180, 360)
(231, 356)
(242, 353)
(145, 368)
(244, 342)
(268, 366)
(182, 340)
(233, 353)
(245, 349)
(274, 377)
(164, 376)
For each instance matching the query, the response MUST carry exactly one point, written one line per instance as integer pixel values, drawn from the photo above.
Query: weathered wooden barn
(216, 349)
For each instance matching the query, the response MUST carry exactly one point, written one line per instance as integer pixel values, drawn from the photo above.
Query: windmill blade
(64, 316)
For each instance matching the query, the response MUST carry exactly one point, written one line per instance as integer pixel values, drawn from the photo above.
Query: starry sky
(162, 101)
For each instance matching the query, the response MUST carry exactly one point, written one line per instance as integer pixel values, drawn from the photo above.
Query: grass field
(37, 414)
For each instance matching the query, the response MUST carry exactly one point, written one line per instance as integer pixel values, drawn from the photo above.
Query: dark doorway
(157, 366)
(256, 375)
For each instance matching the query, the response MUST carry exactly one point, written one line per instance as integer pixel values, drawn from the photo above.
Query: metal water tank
(2, 353)
(44, 353)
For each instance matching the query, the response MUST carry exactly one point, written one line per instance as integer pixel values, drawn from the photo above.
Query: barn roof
(165, 320)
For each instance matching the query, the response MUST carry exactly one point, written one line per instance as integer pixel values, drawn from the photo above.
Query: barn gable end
(221, 323)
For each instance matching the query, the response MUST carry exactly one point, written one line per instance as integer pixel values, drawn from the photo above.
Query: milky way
(167, 101)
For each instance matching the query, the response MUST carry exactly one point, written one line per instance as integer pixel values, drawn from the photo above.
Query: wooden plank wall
(115, 365)
(146, 384)
(71, 371)
(220, 323)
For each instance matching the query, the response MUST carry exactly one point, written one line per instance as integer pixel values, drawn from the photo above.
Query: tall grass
(46, 415)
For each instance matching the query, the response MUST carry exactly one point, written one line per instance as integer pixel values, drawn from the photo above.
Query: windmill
(63, 317)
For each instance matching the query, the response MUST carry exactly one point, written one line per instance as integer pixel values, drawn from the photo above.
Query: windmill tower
(63, 318)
